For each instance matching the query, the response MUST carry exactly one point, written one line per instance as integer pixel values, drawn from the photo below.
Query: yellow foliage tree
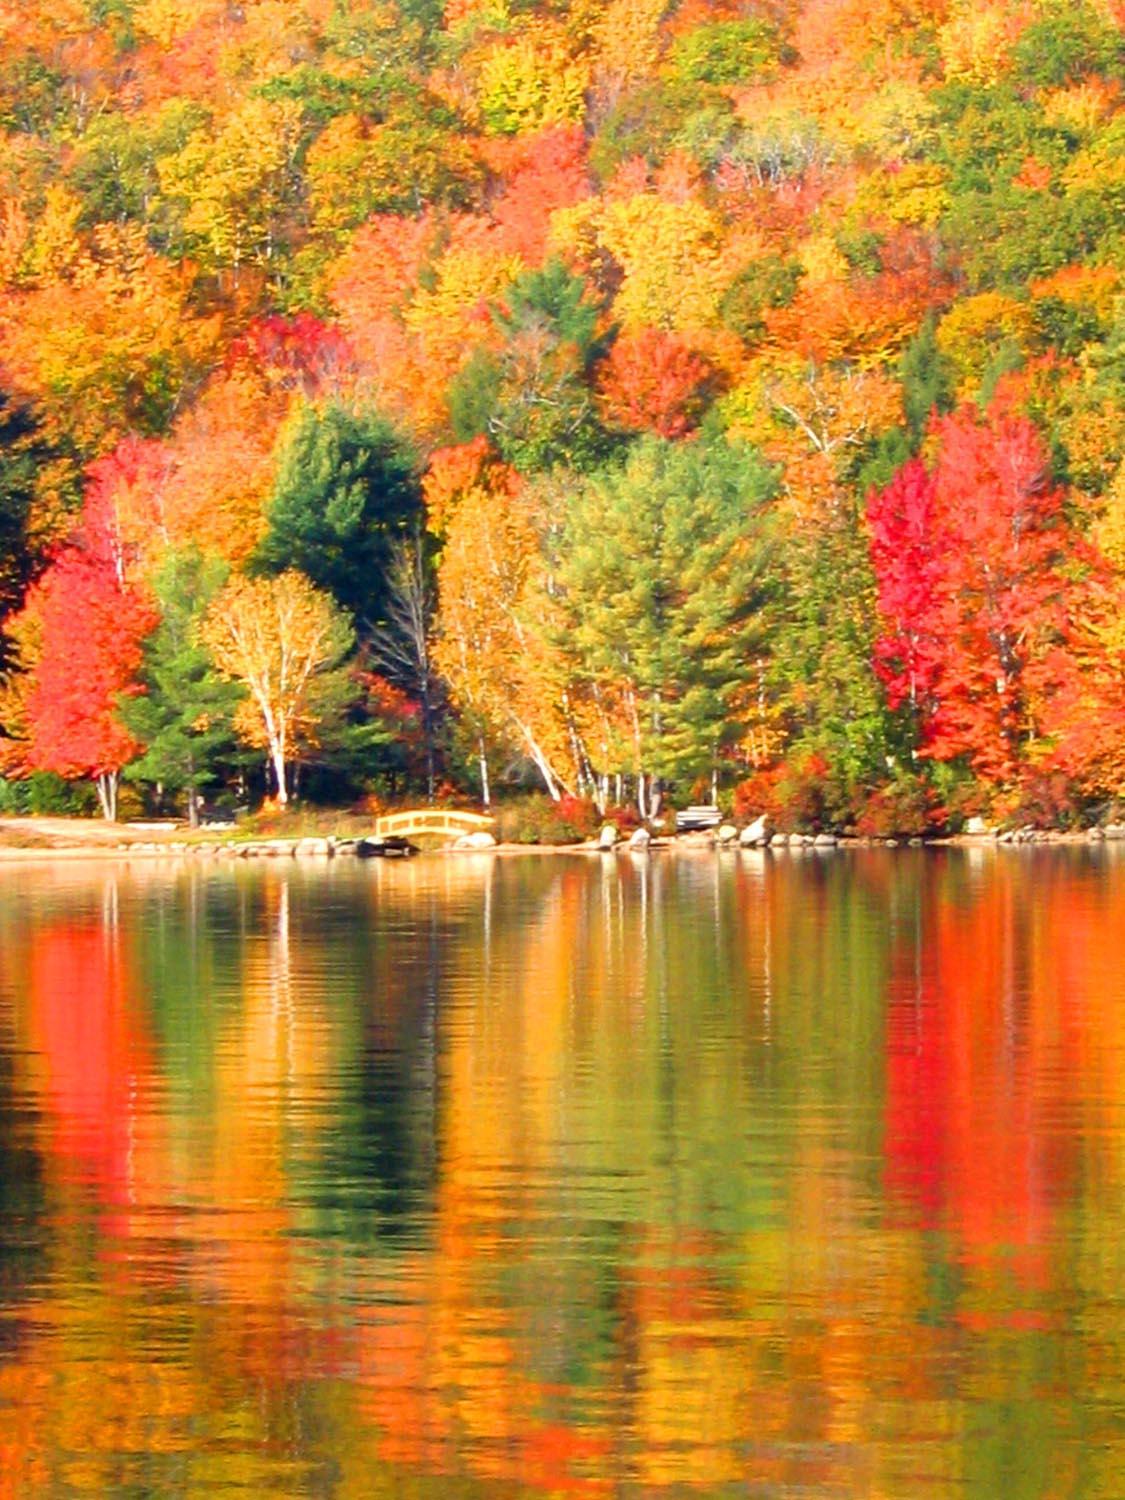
(496, 667)
(277, 637)
(974, 330)
(975, 42)
(669, 254)
(532, 81)
(231, 184)
(108, 347)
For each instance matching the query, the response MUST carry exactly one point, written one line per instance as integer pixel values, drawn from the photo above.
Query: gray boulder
(481, 839)
(755, 833)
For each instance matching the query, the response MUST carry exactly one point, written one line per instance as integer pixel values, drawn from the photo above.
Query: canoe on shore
(391, 847)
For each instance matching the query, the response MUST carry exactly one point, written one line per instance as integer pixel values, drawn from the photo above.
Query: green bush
(46, 794)
(15, 797)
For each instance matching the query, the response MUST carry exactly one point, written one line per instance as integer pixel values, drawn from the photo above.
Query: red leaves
(906, 550)
(967, 561)
(92, 632)
(121, 503)
(545, 172)
(300, 353)
(653, 381)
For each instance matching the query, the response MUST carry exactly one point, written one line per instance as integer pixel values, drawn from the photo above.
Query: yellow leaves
(485, 558)
(811, 420)
(1110, 530)
(1094, 437)
(449, 317)
(502, 673)
(55, 246)
(109, 348)
(1100, 168)
(820, 409)
(1082, 108)
(974, 42)
(164, 21)
(531, 81)
(821, 260)
(231, 184)
(669, 254)
(333, 163)
(492, 13)
(915, 193)
(1095, 287)
(15, 237)
(628, 42)
(274, 635)
(898, 121)
(973, 331)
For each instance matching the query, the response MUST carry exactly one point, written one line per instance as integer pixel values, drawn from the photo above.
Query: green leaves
(665, 565)
(346, 487)
(183, 718)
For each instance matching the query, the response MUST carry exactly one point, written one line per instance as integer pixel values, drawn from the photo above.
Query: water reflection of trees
(573, 1175)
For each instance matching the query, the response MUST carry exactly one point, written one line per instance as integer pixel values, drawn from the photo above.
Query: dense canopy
(748, 373)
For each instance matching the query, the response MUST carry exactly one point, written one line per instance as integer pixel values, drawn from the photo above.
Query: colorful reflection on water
(729, 1174)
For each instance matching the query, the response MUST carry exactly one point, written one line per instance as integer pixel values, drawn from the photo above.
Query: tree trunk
(106, 784)
(486, 795)
(192, 807)
(277, 760)
(428, 730)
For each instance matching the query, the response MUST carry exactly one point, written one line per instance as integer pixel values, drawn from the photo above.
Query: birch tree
(279, 637)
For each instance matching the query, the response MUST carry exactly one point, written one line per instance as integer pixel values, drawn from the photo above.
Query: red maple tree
(93, 628)
(967, 558)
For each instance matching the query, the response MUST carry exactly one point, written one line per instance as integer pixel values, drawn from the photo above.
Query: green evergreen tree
(346, 489)
(184, 715)
(533, 397)
(665, 565)
(20, 454)
(835, 709)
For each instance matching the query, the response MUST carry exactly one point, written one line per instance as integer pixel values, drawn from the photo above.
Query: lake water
(734, 1175)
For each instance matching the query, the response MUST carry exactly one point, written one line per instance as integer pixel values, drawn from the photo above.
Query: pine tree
(183, 718)
(346, 488)
(665, 565)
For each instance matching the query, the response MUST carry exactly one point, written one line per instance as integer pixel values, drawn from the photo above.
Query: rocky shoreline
(726, 838)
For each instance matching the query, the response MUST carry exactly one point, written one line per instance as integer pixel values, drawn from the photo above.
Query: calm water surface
(728, 1175)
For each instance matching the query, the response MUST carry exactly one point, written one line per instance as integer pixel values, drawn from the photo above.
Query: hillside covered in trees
(634, 399)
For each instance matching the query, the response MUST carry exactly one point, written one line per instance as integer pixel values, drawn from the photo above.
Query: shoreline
(106, 847)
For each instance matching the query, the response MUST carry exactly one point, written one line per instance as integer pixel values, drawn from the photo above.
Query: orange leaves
(457, 472)
(542, 173)
(812, 419)
(413, 300)
(109, 347)
(861, 318)
(654, 382)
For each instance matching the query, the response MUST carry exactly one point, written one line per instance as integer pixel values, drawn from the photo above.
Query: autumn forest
(637, 403)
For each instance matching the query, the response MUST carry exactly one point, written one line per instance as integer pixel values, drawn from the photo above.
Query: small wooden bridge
(405, 825)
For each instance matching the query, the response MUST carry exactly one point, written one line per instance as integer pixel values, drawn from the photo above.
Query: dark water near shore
(732, 1175)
